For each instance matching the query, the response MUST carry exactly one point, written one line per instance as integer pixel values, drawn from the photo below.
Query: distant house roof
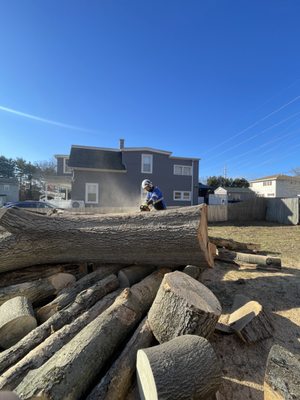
(95, 158)
(275, 177)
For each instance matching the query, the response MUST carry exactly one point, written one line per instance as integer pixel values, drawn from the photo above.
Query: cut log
(40, 354)
(116, 383)
(16, 320)
(130, 275)
(250, 322)
(229, 256)
(183, 306)
(68, 295)
(179, 237)
(83, 301)
(5, 395)
(39, 272)
(184, 368)
(193, 271)
(233, 245)
(69, 373)
(282, 376)
(38, 290)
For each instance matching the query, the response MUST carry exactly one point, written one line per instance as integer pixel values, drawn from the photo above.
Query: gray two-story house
(104, 177)
(9, 190)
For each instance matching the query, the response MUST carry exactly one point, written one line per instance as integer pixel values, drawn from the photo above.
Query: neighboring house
(104, 177)
(276, 186)
(233, 194)
(9, 190)
(204, 192)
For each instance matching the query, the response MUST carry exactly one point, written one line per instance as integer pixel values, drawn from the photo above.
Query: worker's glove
(144, 207)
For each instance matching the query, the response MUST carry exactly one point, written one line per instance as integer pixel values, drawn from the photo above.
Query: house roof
(275, 177)
(235, 189)
(96, 158)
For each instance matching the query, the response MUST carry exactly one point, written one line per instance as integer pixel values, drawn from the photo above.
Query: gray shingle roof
(96, 159)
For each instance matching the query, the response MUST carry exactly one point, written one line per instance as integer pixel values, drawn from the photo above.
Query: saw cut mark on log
(83, 301)
(250, 321)
(117, 381)
(184, 368)
(229, 256)
(68, 295)
(11, 378)
(282, 376)
(16, 320)
(179, 237)
(63, 375)
(38, 290)
(183, 306)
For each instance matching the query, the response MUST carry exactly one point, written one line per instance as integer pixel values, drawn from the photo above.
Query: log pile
(109, 303)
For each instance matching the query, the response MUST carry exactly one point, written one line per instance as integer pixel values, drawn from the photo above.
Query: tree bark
(40, 354)
(16, 320)
(39, 272)
(38, 290)
(68, 295)
(179, 237)
(233, 245)
(83, 301)
(183, 306)
(230, 256)
(282, 379)
(130, 275)
(69, 373)
(116, 383)
(184, 368)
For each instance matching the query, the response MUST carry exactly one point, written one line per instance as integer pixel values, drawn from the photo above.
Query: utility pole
(225, 171)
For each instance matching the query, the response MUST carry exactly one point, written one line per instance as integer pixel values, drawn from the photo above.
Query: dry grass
(243, 366)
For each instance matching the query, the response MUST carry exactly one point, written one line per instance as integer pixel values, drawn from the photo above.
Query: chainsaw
(144, 207)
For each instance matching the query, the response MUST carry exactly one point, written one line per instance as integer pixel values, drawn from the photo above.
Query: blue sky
(218, 80)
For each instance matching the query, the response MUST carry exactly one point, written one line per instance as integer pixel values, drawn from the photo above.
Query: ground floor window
(181, 195)
(91, 193)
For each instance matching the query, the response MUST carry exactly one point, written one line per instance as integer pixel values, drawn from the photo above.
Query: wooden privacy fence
(283, 211)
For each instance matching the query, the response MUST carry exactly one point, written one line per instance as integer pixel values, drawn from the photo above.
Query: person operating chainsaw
(154, 197)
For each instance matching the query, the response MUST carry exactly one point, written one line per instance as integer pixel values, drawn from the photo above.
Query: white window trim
(86, 193)
(181, 195)
(182, 166)
(142, 163)
(66, 166)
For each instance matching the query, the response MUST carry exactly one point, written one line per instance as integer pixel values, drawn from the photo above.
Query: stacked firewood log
(111, 306)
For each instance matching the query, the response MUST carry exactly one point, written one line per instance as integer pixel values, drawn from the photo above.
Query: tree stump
(184, 368)
(183, 306)
(16, 320)
(282, 376)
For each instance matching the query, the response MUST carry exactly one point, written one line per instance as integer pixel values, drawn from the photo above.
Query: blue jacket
(155, 197)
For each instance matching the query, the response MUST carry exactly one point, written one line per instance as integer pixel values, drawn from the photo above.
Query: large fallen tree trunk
(167, 238)
(40, 354)
(69, 373)
(83, 301)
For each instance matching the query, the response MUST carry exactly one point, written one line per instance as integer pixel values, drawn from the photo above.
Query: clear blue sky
(218, 80)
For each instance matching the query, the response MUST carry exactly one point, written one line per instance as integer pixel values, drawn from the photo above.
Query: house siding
(121, 189)
(279, 188)
(8, 192)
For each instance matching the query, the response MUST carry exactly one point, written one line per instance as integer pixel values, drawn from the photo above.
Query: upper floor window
(91, 193)
(67, 169)
(267, 183)
(182, 170)
(6, 188)
(147, 163)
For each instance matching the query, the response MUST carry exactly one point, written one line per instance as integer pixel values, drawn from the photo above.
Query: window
(67, 169)
(147, 162)
(182, 170)
(91, 193)
(6, 188)
(181, 195)
(267, 183)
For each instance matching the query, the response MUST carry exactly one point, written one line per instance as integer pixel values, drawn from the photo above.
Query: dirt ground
(244, 365)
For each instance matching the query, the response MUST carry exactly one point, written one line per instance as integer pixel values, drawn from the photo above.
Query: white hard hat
(146, 183)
